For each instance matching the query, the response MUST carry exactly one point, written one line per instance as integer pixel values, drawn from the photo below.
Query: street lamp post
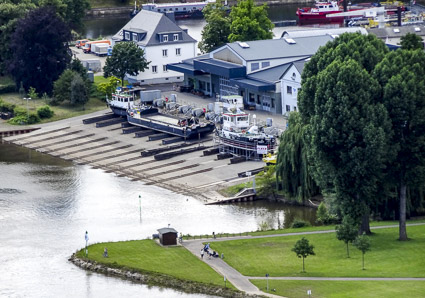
(28, 113)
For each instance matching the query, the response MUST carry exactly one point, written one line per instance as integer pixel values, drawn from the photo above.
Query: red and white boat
(320, 10)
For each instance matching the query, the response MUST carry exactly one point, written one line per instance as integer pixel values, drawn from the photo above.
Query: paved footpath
(242, 282)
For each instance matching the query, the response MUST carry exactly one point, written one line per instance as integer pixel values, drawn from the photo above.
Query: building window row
(165, 52)
(165, 37)
(256, 65)
(155, 68)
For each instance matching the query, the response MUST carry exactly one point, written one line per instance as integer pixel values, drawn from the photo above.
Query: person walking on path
(86, 237)
(202, 253)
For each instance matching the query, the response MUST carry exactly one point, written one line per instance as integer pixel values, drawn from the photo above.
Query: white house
(290, 85)
(163, 42)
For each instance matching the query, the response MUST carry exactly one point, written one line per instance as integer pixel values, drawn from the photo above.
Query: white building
(290, 85)
(163, 43)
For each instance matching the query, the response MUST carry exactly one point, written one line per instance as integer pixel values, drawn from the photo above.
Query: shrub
(44, 112)
(7, 88)
(6, 107)
(299, 223)
(23, 119)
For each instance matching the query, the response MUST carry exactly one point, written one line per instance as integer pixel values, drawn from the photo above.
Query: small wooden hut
(167, 236)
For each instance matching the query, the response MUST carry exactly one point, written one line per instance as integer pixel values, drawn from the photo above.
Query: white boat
(180, 10)
(121, 101)
(237, 135)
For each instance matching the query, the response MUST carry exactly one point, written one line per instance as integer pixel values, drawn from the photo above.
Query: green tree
(322, 213)
(79, 95)
(347, 231)
(348, 128)
(292, 167)
(362, 243)
(266, 182)
(62, 86)
(402, 76)
(217, 30)
(249, 22)
(108, 88)
(78, 67)
(411, 41)
(303, 249)
(40, 49)
(127, 58)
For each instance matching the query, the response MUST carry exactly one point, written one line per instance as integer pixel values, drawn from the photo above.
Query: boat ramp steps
(172, 140)
(251, 172)
(109, 122)
(180, 175)
(126, 124)
(88, 148)
(245, 195)
(159, 136)
(62, 142)
(145, 133)
(99, 118)
(221, 156)
(104, 151)
(75, 145)
(172, 154)
(38, 134)
(110, 156)
(211, 151)
(154, 151)
(237, 159)
(53, 137)
(131, 129)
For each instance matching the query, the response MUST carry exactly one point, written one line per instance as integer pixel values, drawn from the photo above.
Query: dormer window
(175, 37)
(165, 38)
(127, 35)
(135, 37)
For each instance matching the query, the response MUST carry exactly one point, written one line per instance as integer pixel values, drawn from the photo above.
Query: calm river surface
(108, 26)
(47, 204)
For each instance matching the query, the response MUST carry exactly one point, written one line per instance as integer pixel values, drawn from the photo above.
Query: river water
(47, 204)
(109, 25)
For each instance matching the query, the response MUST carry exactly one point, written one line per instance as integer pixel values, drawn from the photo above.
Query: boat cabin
(325, 7)
(236, 122)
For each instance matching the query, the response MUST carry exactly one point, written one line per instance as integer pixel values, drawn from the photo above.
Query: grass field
(387, 258)
(62, 111)
(342, 289)
(147, 255)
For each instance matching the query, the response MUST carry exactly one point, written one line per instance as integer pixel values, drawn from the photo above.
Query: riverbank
(147, 262)
(389, 264)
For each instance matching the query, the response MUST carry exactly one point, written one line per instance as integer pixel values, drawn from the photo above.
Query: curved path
(242, 283)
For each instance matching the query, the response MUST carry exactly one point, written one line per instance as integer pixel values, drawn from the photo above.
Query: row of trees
(245, 22)
(34, 39)
(360, 132)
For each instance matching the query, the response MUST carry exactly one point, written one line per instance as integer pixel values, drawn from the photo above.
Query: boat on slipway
(187, 10)
(238, 136)
(181, 126)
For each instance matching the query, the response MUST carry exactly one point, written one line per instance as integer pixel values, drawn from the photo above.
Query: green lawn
(147, 255)
(388, 257)
(340, 289)
(62, 111)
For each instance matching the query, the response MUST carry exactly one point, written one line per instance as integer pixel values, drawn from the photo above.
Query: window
(164, 53)
(289, 89)
(127, 35)
(154, 69)
(164, 38)
(178, 52)
(135, 37)
(164, 68)
(272, 102)
(288, 108)
(184, 8)
(175, 37)
(255, 66)
(295, 108)
(159, 10)
(265, 64)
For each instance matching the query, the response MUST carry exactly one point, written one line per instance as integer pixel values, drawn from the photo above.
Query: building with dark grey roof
(162, 40)
(255, 70)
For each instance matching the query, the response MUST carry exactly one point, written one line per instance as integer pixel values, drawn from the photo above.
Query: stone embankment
(158, 279)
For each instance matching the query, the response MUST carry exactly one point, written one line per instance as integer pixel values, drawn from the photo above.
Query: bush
(7, 88)
(6, 107)
(22, 119)
(299, 223)
(44, 112)
(19, 111)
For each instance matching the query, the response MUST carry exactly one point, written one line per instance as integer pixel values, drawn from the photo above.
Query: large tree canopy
(250, 22)
(216, 31)
(127, 58)
(411, 41)
(40, 49)
(402, 76)
(348, 128)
